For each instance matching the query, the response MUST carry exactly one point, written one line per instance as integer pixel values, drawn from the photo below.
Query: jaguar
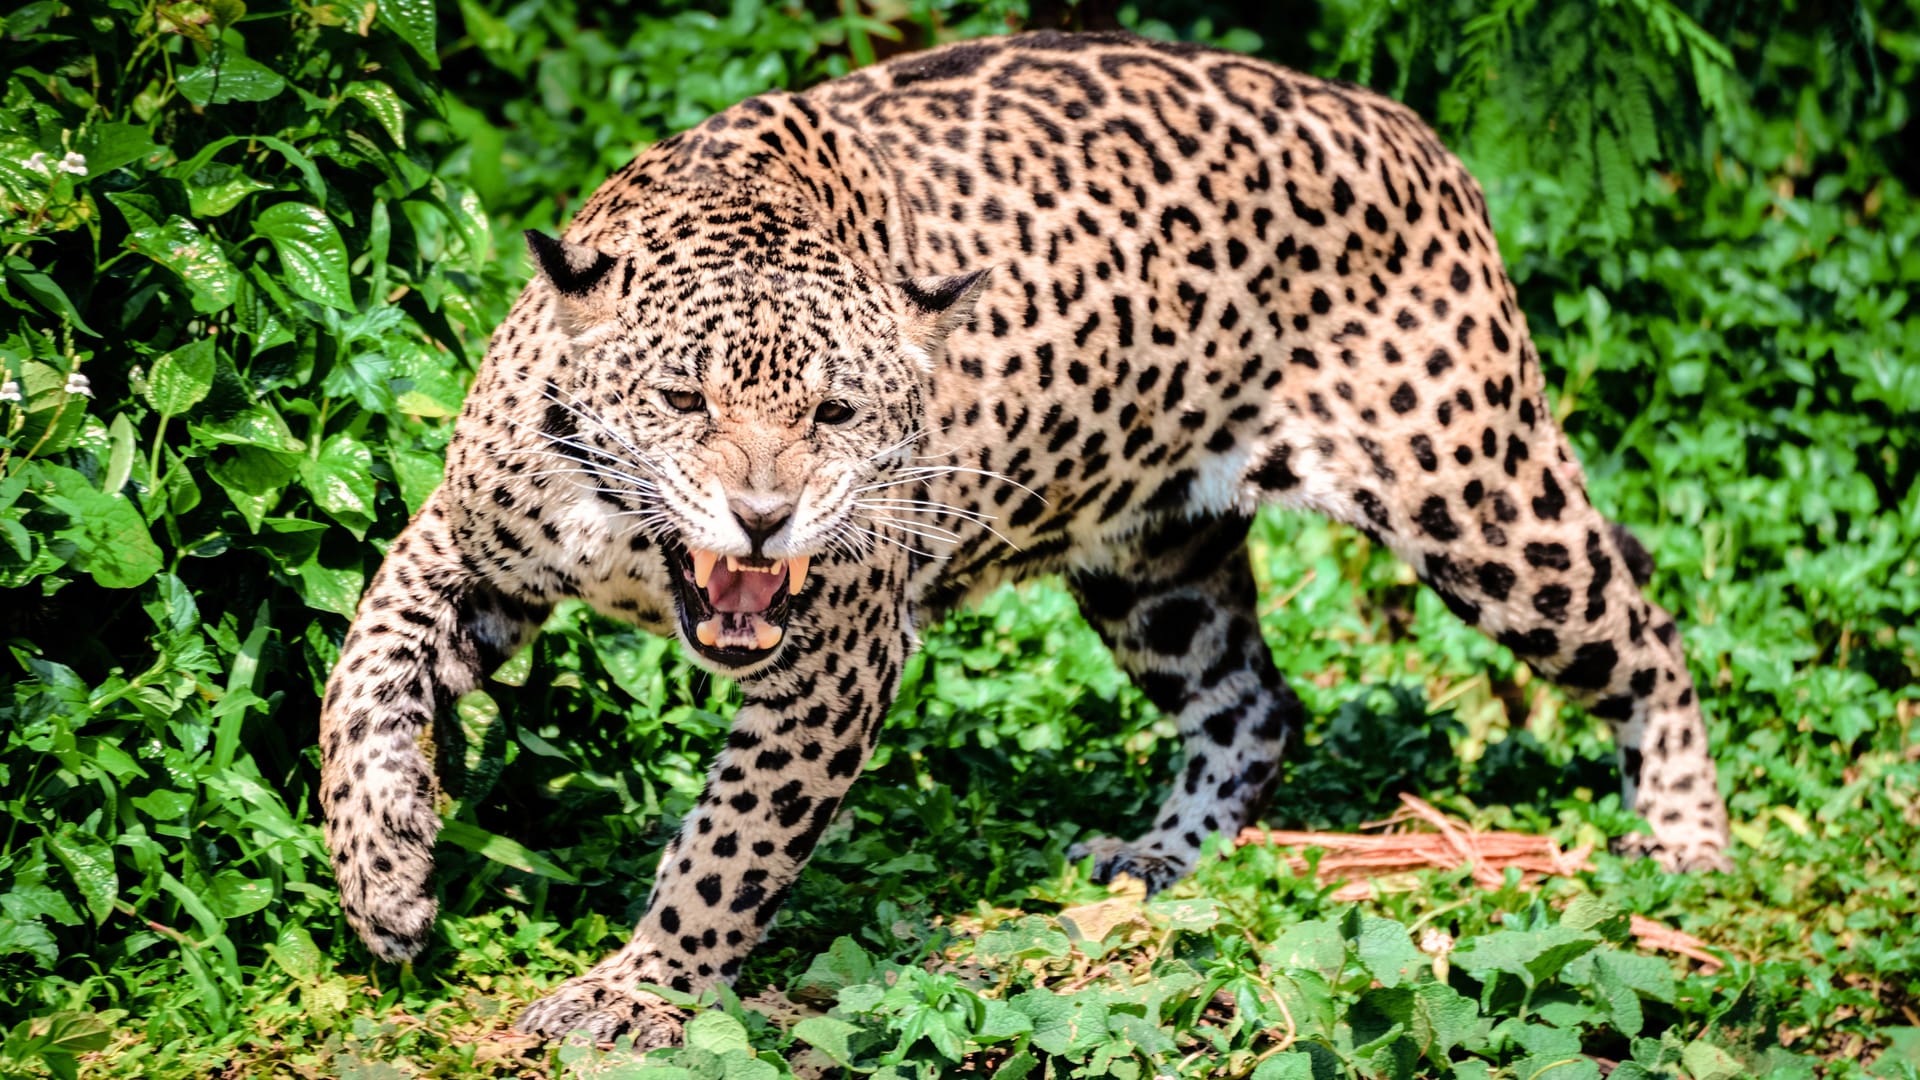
(800, 379)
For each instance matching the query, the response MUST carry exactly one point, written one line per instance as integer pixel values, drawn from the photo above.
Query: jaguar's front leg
(797, 743)
(1180, 615)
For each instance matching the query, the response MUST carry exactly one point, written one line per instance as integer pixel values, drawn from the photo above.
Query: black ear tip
(936, 295)
(571, 268)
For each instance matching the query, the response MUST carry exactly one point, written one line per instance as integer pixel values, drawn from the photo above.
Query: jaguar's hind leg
(1512, 544)
(1180, 614)
(1565, 595)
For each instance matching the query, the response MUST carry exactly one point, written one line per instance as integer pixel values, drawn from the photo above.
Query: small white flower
(10, 391)
(1436, 943)
(73, 163)
(77, 384)
(38, 162)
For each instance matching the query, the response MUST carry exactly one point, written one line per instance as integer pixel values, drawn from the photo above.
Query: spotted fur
(1045, 304)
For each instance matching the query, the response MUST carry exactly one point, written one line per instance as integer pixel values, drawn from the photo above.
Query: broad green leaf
(253, 479)
(181, 247)
(24, 188)
(341, 481)
(417, 473)
(479, 768)
(258, 426)
(1192, 915)
(426, 382)
(1621, 979)
(1030, 936)
(226, 12)
(110, 538)
(328, 587)
(1588, 912)
(53, 415)
(487, 30)
(413, 21)
(1140, 1033)
(716, 1032)
(1309, 1001)
(180, 379)
(217, 189)
(384, 104)
(120, 454)
(1314, 945)
(232, 708)
(844, 964)
(1435, 1016)
(1533, 955)
(1392, 1057)
(1387, 952)
(67, 1034)
(502, 850)
(830, 1035)
(451, 219)
(235, 894)
(1289, 1066)
(311, 252)
(165, 804)
(1002, 1021)
(1705, 1061)
(228, 76)
(109, 146)
(1070, 1024)
(296, 953)
(89, 862)
(28, 937)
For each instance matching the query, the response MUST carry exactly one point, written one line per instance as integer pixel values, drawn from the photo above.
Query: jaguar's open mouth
(734, 610)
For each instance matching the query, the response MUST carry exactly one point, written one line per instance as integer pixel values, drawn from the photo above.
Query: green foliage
(251, 254)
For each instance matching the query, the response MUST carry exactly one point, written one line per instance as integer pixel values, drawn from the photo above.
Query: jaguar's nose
(760, 516)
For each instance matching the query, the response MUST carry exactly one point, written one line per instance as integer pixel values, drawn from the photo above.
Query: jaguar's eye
(833, 412)
(686, 401)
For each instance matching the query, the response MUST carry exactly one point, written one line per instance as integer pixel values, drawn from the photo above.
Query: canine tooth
(797, 573)
(703, 569)
(766, 636)
(708, 632)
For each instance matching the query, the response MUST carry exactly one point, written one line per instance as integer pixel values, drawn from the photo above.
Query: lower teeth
(765, 635)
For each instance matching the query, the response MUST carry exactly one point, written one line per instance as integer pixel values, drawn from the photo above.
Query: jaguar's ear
(581, 276)
(939, 304)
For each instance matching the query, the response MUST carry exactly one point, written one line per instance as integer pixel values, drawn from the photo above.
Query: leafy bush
(252, 254)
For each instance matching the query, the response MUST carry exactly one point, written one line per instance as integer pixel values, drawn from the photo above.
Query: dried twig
(1359, 860)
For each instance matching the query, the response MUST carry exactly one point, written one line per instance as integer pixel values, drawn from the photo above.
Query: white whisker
(940, 536)
(900, 545)
(985, 521)
(595, 419)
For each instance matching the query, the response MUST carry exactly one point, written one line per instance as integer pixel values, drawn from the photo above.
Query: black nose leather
(759, 527)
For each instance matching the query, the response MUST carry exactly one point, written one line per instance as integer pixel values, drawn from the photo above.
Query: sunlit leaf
(228, 76)
(311, 252)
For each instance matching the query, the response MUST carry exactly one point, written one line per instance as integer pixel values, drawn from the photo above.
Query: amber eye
(833, 412)
(686, 401)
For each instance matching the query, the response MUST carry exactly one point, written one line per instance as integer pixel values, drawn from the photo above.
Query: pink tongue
(743, 590)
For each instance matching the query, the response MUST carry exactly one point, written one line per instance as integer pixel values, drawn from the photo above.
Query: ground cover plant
(251, 253)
